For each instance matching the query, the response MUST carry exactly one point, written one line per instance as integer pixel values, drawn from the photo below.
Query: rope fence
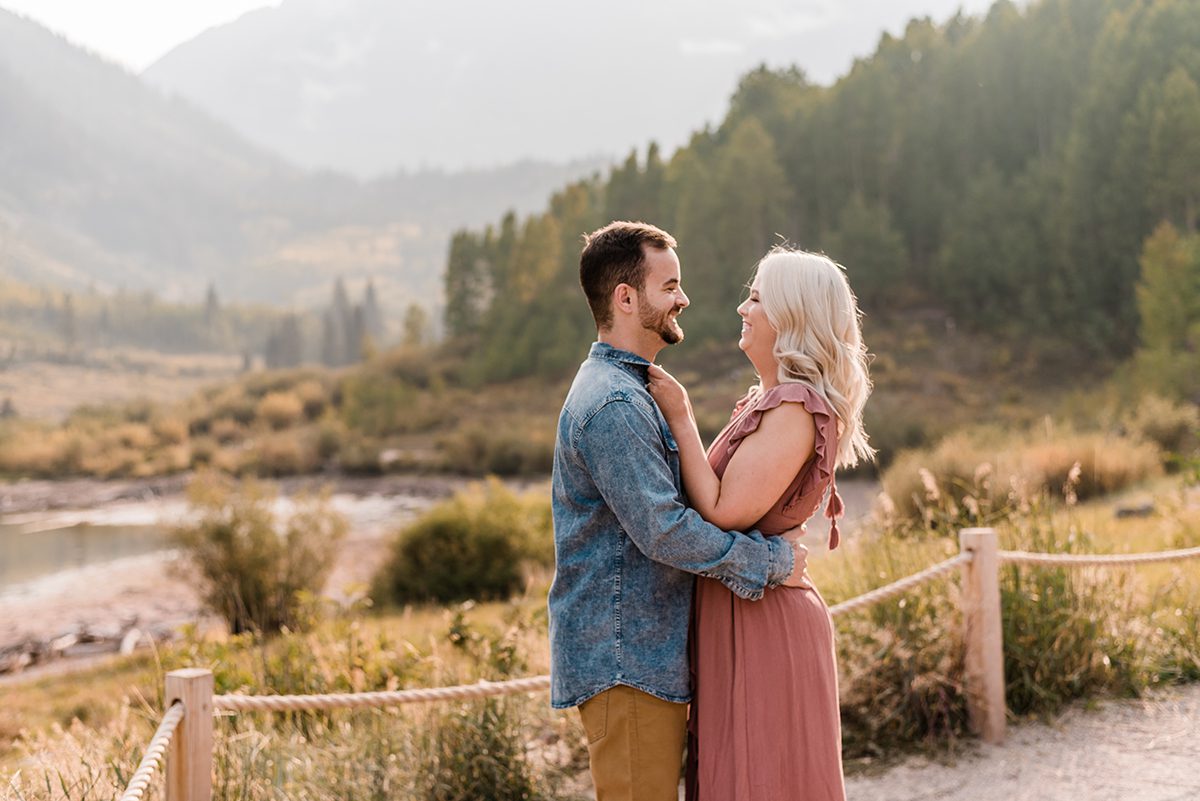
(189, 767)
(1097, 560)
(154, 754)
(899, 587)
(291, 703)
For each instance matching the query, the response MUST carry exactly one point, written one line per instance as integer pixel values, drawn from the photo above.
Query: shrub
(470, 547)
(41, 453)
(313, 398)
(281, 454)
(477, 752)
(204, 449)
(900, 661)
(280, 409)
(226, 430)
(499, 450)
(1173, 427)
(170, 431)
(359, 454)
(137, 436)
(1066, 634)
(233, 404)
(252, 572)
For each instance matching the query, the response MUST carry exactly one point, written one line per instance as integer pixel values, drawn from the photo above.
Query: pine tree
(1175, 150)
(416, 321)
(68, 325)
(372, 314)
(211, 306)
(1168, 301)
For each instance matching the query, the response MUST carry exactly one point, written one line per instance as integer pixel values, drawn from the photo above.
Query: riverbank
(153, 592)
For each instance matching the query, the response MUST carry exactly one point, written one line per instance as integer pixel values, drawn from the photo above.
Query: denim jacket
(626, 543)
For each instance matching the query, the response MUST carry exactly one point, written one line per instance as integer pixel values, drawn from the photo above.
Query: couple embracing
(681, 608)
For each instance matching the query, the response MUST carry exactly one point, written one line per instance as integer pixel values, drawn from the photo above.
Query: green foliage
(1005, 170)
(477, 450)
(901, 661)
(255, 573)
(1168, 301)
(477, 751)
(473, 546)
(1173, 427)
(1067, 635)
(464, 750)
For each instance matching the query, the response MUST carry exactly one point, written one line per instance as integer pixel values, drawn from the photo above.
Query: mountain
(366, 86)
(107, 182)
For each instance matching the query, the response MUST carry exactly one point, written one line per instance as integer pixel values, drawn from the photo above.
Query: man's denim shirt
(626, 543)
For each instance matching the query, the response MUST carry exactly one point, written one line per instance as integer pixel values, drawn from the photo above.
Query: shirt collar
(602, 350)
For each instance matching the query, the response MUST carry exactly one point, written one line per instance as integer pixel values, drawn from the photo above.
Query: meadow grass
(1069, 634)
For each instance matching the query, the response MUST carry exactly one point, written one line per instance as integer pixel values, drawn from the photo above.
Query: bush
(282, 454)
(170, 431)
(40, 452)
(476, 754)
(499, 450)
(233, 404)
(313, 397)
(473, 546)
(1067, 635)
(280, 409)
(254, 574)
(1173, 427)
(226, 430)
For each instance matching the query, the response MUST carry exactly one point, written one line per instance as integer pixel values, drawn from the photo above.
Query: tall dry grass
(987, 471)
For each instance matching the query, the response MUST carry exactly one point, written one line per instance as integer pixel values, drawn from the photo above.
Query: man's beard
(663, 324)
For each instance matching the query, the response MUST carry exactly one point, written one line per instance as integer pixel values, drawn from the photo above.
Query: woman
(764, 723)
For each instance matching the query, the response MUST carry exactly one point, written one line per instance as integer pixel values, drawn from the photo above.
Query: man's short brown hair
(613, 255)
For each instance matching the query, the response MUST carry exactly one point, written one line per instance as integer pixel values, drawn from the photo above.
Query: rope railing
(901, 586)
(979, 561)
(1097, 560)
(289, 703)
(154, 754)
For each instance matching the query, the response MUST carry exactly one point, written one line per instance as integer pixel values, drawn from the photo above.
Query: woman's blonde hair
(818, 340)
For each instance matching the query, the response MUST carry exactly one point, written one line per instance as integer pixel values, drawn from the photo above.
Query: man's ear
(624, 298)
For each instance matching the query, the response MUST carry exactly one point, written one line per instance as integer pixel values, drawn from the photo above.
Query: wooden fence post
(189, 761)
(984, 635)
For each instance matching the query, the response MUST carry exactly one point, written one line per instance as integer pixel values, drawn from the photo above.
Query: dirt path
(1145, 750)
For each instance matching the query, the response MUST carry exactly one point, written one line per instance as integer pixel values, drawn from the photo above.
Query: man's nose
(683, 301)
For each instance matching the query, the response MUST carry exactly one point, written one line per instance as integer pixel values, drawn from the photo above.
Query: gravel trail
(1143, 750)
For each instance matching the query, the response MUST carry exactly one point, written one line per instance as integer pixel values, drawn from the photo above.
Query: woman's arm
(763, 467)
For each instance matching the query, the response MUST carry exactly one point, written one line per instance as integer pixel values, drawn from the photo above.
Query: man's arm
(621, 445)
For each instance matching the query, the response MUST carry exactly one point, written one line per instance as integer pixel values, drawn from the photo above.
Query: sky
(133, 33)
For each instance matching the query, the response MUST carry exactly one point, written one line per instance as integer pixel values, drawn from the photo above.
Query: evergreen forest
(1002, 173)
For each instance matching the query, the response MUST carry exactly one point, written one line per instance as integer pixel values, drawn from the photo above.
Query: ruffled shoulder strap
(824, 446)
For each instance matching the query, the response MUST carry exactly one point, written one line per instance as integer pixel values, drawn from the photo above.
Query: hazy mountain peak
(368, 86)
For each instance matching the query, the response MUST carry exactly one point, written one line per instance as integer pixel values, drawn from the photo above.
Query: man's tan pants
(635, 744)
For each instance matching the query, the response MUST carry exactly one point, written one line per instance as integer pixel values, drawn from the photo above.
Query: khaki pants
(635, 744)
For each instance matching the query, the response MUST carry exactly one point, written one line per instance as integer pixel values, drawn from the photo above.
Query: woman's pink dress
(764, 722)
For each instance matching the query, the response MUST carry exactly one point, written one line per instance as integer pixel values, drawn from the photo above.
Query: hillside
(107, 183)
(1001, 174)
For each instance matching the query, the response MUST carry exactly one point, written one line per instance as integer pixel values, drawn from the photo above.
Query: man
(626, 544)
